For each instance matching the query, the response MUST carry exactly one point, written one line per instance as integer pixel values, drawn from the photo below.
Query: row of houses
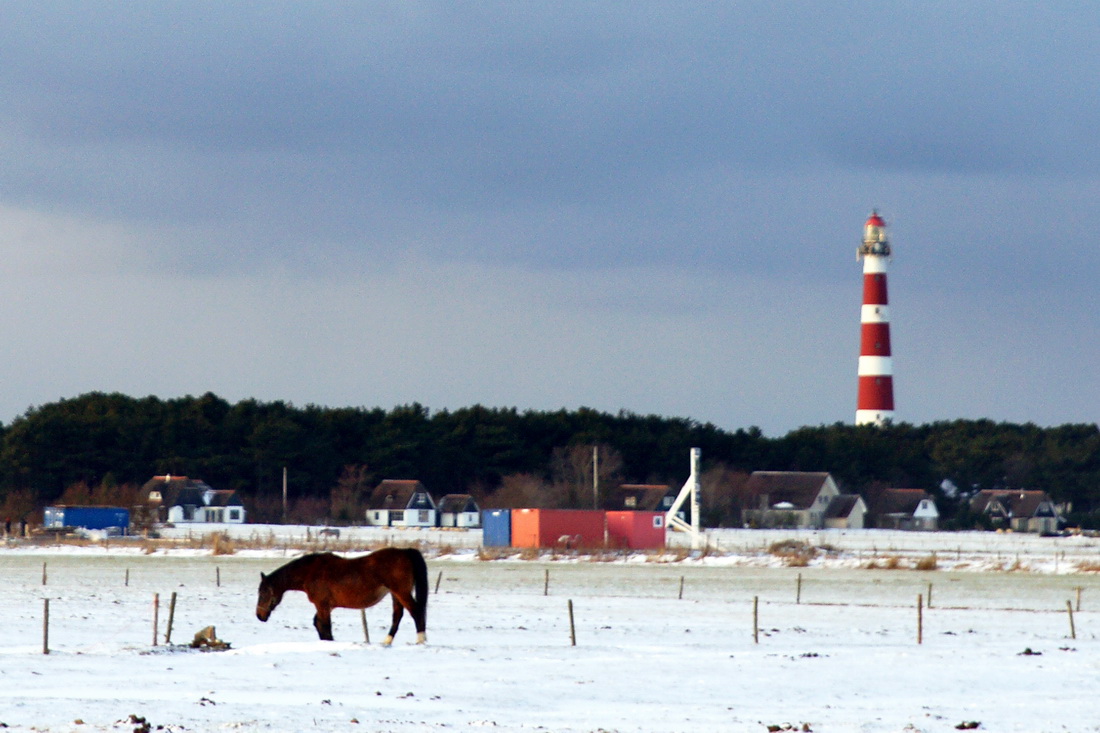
(183, 500)
(813, 500)
(772, 499)
(794, 499)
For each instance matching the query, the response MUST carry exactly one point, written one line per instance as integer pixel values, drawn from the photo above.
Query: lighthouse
(875, 403)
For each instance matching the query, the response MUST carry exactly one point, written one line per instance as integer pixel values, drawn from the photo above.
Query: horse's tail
(420, 583)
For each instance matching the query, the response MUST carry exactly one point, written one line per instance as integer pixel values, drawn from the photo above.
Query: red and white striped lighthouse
(875, 404)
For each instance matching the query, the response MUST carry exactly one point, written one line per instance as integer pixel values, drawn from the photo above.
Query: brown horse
(331, 581)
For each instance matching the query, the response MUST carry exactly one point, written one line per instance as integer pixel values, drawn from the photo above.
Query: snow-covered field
(996, 644)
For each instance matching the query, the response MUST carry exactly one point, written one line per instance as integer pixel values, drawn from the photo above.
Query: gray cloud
(731, 148)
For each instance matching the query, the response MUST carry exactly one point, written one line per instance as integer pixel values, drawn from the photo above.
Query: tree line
(98, 448)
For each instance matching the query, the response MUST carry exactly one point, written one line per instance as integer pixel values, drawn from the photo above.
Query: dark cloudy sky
(650, 207)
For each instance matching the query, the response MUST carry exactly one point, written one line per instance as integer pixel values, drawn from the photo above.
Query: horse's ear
(262, 577)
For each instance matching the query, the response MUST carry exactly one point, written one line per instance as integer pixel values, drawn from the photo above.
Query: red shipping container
(636, 530)
(557, 528)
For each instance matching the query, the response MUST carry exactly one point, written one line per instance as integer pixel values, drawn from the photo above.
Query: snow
(996, 646)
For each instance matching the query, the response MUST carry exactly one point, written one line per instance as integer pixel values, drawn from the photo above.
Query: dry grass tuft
(222, 545)
(670, 554)
(1088, 566)
(893, 562)
(927, 563)
(794, 553)
(493, 553)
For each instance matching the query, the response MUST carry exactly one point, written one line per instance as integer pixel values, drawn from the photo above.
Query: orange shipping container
(561, 528)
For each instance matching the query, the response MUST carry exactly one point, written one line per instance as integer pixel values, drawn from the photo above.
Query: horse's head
(268, 599)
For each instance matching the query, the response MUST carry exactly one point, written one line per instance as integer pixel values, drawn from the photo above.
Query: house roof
(175, 491)
(1015, 502)
(457, 503)
(396, 494)
(842, 506)
(647, 497)
(221, 497)
(797, 488)
(901, 501)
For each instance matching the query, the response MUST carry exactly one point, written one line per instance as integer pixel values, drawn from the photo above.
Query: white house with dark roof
(182, 500)
(793, 499)
(459, 510)
(908, 509)
(1019, 509)
(846, 511)
(401, 503)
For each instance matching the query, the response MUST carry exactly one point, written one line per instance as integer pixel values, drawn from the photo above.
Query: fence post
(546, 583)
(681, 587)
(156, 614)
(437, 579)
(171, 618)
(929, 595)
(43, 573)
(798, 593)
(756, 619)
(45, 625)
(572, 627)
(920, 619)
(1072, 628)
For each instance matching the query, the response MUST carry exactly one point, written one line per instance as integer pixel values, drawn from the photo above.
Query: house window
(658, 521)
(188, 512)
(378, 516)
(234, 515)
(666, 502)
(423, 516)
(154, 496)
(631, 502)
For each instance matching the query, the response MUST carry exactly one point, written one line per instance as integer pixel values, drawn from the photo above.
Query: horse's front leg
(398, 610)
(322, 621)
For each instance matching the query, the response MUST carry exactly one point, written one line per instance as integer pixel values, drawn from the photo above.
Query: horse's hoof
(387, 641)
(421, 638)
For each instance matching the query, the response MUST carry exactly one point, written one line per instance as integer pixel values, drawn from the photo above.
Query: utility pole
(284, 494)
(596, 476)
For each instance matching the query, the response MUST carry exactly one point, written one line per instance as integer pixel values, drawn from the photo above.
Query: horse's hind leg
(403, 599)
(398, 610)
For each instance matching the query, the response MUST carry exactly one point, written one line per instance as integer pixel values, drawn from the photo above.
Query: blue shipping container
(87, 517)
(496, 528)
